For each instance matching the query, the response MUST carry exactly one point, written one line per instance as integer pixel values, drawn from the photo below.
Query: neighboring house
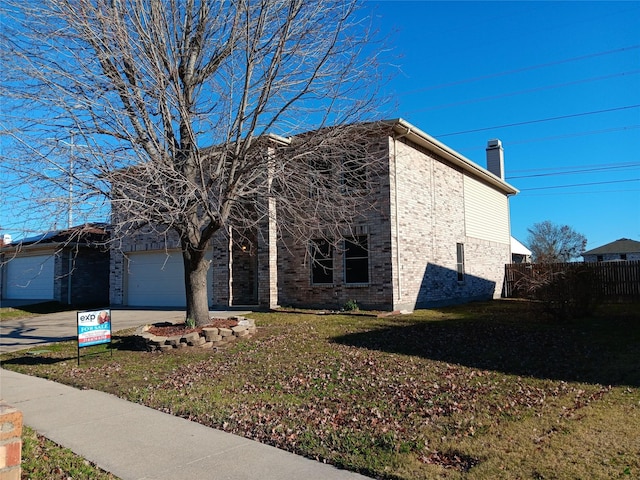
(440, 234)
(620, 250)
(69, 266)
(519, 253)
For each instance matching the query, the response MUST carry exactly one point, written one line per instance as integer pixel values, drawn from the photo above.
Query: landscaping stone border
(211, 337)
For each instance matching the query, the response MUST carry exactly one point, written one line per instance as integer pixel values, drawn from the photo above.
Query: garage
(156, 279)
(30, 277)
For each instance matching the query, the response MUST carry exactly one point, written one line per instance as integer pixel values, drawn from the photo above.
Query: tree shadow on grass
(30, 359)
(603, 349)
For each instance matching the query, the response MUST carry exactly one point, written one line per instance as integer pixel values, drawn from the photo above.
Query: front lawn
(488, 390)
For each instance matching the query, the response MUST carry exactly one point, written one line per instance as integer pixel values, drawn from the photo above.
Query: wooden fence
(615, 281)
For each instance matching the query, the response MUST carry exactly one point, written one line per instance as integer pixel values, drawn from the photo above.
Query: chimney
(495, 158)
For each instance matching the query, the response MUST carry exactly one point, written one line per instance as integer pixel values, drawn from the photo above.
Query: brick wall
(10, 442)
(89, 276)
(412, 233)
(430, 222)
(294, 265)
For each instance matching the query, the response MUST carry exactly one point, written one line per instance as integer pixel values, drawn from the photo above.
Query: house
(440, 234)
(68, 266)
(519, 253)
(621, 250)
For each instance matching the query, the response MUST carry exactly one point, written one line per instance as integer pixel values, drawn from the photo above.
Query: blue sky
(477, 66)
(463, 71)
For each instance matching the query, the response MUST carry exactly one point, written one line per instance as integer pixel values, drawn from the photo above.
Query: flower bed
(163, 337)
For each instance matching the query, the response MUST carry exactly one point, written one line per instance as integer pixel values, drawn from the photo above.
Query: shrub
(350, 306)
(564, 291)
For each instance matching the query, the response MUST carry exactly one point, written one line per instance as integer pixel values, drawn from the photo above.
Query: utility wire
(519, 70)
(554, 137)
(579, 185)
(586, 170)
(549, 119)
(523, 92)
(590, 192)
(593, 165)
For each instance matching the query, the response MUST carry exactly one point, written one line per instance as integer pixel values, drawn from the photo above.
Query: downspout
(396, 213)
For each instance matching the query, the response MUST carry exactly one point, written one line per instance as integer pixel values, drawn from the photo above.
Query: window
(321, 262)
(354, 171)
(599, 258)
(320, 171)
(623, 256)
(460, 261)
(356, 260)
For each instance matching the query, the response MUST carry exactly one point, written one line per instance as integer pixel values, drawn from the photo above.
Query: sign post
(94, 328)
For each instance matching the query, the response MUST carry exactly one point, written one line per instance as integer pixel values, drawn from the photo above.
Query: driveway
(57, 327)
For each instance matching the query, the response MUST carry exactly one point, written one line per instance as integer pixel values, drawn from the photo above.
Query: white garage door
(156, 279)
(30, 277)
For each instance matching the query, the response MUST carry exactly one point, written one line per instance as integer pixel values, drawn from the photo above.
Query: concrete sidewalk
(135, 442)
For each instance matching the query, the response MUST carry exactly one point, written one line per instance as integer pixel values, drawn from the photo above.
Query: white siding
(30, 277)
(486, 212)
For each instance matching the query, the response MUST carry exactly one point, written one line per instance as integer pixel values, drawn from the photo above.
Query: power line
(519, 70)
(592, 165)
(590, 192)
(585, 170)
(580, 184)
(570, 135)
(553, 137)
(523, 92)
(549, 119)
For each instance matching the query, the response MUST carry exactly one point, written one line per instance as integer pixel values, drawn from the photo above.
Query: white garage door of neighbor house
(156, 279)
(30, 277)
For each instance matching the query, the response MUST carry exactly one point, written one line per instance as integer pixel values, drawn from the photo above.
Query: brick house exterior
(440, 234)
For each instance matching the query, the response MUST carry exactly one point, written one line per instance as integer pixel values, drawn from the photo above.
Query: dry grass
(44, 460)
(481, 391)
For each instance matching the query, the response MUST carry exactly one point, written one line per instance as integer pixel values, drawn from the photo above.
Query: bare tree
(550, 243)
(178, 115)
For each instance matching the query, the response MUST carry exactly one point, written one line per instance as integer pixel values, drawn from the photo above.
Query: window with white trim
(356, 260)
(321, 262)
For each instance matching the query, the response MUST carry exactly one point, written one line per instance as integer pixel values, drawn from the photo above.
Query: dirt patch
(170, 330)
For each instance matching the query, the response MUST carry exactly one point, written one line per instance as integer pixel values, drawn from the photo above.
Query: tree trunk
(196, 267)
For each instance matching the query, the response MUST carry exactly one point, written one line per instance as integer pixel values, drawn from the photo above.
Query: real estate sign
(94, 327)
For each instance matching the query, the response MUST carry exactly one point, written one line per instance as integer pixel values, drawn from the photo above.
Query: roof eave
(425, 140)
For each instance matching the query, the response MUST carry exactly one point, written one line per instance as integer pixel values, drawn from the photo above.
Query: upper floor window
(354, 171)
(320, 170)
(356, 260)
